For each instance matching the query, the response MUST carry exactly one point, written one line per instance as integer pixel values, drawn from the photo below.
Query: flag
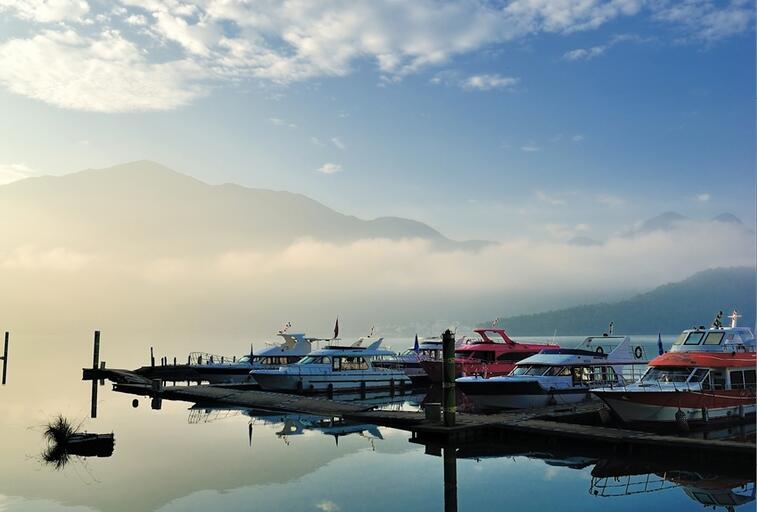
(336, 328)
(416, 346)
(659, 344)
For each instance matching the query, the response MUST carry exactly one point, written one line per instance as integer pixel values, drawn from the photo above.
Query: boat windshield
(244, 359)
(533, 370)
(666, 374)
(481, 355)
(315, 360)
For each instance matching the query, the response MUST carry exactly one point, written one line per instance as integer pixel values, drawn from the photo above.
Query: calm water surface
(184, 459)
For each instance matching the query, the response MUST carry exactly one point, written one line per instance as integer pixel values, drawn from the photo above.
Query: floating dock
(580, 423)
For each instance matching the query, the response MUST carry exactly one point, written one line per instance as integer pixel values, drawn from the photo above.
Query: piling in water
(448, 378)
(5, 356)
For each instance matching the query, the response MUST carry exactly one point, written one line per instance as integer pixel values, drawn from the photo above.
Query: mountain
(144, 206)
(663, 222)
(583, 241)
(728, 218)
(668, 309)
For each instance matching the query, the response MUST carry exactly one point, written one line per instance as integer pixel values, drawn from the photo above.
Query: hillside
(668, 309)
(146, 207)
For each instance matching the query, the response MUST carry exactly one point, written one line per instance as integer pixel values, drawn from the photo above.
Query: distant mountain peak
(728, 218)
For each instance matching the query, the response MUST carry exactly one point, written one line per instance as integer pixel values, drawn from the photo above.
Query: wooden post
(448, 378)
(95, 364)
(152, 357)
(174, 360)
(102, 371)
(5, 356)
(450, 479)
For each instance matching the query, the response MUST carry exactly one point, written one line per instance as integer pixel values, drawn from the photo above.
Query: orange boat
(709, 375)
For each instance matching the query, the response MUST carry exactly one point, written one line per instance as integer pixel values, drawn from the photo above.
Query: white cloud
(15, 172)
(277, 121)
(609, 200)
(585, 53)
(170, 52)
(316, 141)
(329, 168)
(46, 11)
(328, 506)
(703, 198)
(338, 143)
(549, 199)
(531, 147)
(577, 137)
(105, 73)
(488, 82)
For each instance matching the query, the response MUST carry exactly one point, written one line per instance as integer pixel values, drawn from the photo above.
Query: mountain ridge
(668, 308)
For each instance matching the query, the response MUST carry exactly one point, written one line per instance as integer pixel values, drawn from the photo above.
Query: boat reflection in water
(720, 486)
(294, 423)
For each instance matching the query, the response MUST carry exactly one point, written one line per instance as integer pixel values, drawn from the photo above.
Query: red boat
(708, 375)
(486, 356)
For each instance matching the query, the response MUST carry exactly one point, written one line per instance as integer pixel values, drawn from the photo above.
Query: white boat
(225, 369)
(333, 368)
(708, 375)
(556, 376)
(428, 349)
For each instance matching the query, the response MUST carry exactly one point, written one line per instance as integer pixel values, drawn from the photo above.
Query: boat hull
(504, 394)
(272, 381)
(696, 406)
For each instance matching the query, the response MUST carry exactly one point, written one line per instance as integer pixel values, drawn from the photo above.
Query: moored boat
(556, 376)
(492, 353)
(709, 375)
(332, 369)
(425, 349)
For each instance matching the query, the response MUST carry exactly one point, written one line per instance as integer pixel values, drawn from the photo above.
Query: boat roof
(706, 359)
(592, 350)
(294, 344)
(338, 350)
(715, 339)
(486, 343)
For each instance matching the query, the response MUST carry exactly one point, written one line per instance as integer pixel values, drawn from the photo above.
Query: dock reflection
(721, 486)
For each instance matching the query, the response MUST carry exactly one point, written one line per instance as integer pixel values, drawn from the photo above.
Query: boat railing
(200, 358)
(626, 485)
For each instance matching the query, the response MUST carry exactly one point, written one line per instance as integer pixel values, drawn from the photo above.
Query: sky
(554, 118)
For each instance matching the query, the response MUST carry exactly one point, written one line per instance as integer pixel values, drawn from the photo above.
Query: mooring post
(450, 479)
(448, 378)
(102, 373)
(5, 356)
(95, 364)
(152, 357)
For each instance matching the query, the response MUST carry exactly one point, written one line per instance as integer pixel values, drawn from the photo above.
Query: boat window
(520, 370)
(718, 379)
(244, 359)
(337, 364)
(749, 378)
(513, 356)
(714, 338)
(666, 374)
(558, 371)
(699, 375)
(737, 379)
(315, 360)
(605, 374)
(354, 363)
(679, 340)
(694, 338)
(537, 370)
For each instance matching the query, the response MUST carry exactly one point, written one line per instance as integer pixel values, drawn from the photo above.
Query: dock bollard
(448, 378)
(5, 356)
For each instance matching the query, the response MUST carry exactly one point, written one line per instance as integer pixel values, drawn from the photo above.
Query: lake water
(183, 459)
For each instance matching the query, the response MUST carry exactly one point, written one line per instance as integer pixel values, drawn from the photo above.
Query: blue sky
(484, 119)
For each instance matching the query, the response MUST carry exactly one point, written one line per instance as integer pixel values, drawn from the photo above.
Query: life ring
(600, 350)
(638, 352)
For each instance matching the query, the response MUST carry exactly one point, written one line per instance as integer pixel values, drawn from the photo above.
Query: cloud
(609, 200)
(531, 147)
(544, 197)
(577, 138)
(488, 82)
(46, 11)
(162, 54)
(316, 141)
(329, 168)
(328, 506)
(37, 259)
(338, 143)
(103, 73)
(585, 53)
(15, 172)
(280, 122)
(703, 198)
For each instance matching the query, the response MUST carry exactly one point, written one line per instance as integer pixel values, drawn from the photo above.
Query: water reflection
(721, 486)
